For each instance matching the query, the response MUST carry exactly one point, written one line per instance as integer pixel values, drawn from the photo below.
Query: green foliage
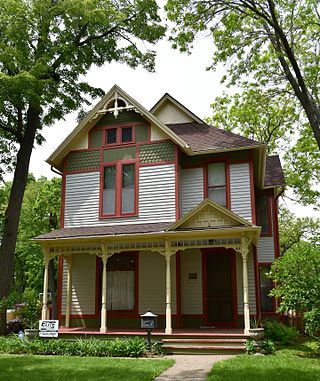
(40, 213)
(280, 333)
(128, 347)
(312, 321)
(268, 346)
(30, 311)
(249, 346)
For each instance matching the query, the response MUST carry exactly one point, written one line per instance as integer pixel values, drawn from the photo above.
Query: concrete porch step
(202, 349)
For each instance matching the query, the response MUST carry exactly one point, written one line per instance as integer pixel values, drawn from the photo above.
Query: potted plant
(256, 332)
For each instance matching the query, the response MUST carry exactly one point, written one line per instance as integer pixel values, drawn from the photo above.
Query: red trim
(273, 299)
(118, 201)
(227, 178)
(63, 198)
(252, 195)
(178, 289)
(276, 228)
(157, 163)
(219, 251)
(177, 180)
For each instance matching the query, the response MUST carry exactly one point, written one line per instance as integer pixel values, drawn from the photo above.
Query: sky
(183, 76)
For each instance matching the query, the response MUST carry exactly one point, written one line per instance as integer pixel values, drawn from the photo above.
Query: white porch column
(44, 312)
(245, 242)
(167, 253)
(69, 290)
(104, 312)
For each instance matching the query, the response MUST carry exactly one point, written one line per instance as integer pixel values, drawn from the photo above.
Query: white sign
(48, 328)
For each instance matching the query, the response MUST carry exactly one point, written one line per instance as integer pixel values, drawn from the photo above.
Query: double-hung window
(119, 191)
(262, 210)
(217, 183)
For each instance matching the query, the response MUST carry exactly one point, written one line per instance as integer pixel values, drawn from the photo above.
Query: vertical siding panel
(191, 291)
(252, 285)
(83, 285)
(152, 283)
(156, 198)
(240, 190)
(191, 188)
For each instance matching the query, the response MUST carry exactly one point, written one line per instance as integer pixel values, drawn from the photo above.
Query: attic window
(120, 103)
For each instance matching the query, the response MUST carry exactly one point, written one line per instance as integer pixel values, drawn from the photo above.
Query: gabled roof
(91, 118)
(203, 137)
(167, 98)
(274, 174)
(209, 214)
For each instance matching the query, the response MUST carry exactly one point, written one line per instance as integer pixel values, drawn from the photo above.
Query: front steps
(222, 344)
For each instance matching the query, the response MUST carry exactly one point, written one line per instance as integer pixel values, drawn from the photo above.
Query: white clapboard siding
(240, 190)
(191, 290)
(83, 285)
(191, 189)
(156, 198)
(252, 286)
(265, 249)
(152, 283)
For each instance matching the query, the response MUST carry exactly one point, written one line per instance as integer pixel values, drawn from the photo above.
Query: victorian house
(161, 211)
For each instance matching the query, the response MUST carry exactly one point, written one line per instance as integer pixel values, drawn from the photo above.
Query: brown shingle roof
(274, 174)
(94, 231)
(202, 137)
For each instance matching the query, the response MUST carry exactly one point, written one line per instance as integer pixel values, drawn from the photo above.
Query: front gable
(209, 214)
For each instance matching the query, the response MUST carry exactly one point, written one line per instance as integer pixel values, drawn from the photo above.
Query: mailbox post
(149, 322)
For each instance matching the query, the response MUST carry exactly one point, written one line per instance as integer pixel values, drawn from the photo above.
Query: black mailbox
(149, 320)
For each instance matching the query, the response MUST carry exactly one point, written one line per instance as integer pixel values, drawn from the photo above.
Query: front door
(220, 282)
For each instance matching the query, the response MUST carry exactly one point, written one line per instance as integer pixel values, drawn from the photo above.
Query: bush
(268, 347)
(312, 321)
(280, 333)
(128, 347)
(249, 346)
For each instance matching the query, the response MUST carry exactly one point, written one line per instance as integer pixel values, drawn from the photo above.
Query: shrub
(268, 347)
(249, 346)
(127, 347)
(280, 333)
(312, 321)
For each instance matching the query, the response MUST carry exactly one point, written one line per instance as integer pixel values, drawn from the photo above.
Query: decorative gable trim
(209, 214)
(115, 101)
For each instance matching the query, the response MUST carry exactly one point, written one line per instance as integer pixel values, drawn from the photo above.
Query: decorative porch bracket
(47, 256)
(105, 255)
(244, 251)
(167, 252)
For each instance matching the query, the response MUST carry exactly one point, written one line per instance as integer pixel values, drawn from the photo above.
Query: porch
(207, 227)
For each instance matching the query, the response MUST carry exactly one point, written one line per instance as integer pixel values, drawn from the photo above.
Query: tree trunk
(11, 223)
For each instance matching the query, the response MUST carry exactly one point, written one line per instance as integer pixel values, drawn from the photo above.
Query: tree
(266, 43)
(274, 119)
(39, 214)
(46, 48)
(297, 272)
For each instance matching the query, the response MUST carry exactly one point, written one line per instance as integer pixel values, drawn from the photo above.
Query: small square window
(126, 134)
(112, 136)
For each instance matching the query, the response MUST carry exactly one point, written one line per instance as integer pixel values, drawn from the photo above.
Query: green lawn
(286, 365)
(57, 368)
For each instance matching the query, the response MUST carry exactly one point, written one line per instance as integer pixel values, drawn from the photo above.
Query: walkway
(190, 367)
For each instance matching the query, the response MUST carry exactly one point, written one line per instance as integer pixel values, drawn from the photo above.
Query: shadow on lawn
(29, 368)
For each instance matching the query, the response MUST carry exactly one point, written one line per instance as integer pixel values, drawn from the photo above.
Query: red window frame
(119, 134)
(118, 195)
(267, 198)
(273, 310)
(227, 180)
